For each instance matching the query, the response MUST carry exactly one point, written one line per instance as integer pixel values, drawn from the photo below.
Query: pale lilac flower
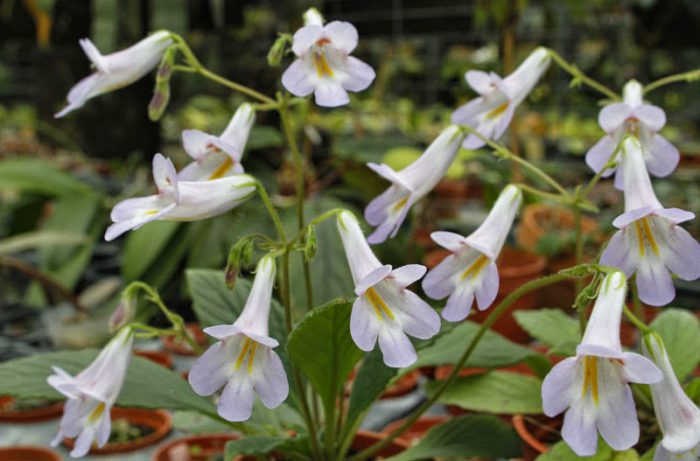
(650, 243)
(242, 361)
(217, 156)
(92, 393)
(384, 310)
(593, 386)
(676, 413)
(388, 210)
(491, 112)
(633, 117)
(179, 200)
(116, 70)
(324, 65)
(470, 271)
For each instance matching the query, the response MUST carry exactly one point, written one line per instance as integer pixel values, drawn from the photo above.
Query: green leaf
(215, 304)
(680, 331)
(693, 390)
(37, 239)
(264, 136)
(374, 376)
(468, 436)
(143, 246)
(551, 326)
(321, 347)
(492, 351)
(560, 451)
(147, 384)
(263, 444)
(39, 177)
(498, 392)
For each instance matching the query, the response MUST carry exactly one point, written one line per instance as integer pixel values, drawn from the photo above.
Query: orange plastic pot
(159, 357)
(180, 348)
(402, 386)
(539, 219)
(28, 454)
(194, 448)
(416, 430)
(158, 420)
(365, 439)
(537, 433)
(29, 415)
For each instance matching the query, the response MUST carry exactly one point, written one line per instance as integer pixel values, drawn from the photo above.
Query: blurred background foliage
(59, 178)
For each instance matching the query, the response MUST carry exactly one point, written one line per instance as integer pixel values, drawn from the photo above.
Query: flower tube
(593, 387)
(384, 310)
(633, 117)
(388, 210)
(470, 270)
(217, 156)
(650, 243)
(491, 113)
(92, 393)
(676, 413)
(179, 200)
(243, 361)
(116, 70)
(324, 65)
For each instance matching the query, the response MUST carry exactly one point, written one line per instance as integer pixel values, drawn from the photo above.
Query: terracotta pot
(28, 454)
(537, 433)
(416, 430)
(404, 385)
(159, 357)
(179, 348)
(197, 447)
(539, 219)
(158, 420)
(29, 415)
(365, 439)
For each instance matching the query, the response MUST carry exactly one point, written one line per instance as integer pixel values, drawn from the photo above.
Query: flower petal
(619, 253)
(438, 282)
(305, 37)
(363, 326)
(639, 369)
(613, 115)
(358, 74)
(480, 81)
(680, 252)
(343, 35)
(297, 79)
(487, 289)
(83, 442)
(459, 304)
(654, 283)
(406, 275)
(418, 318)
(579, 430)
(651, 116)
(372, 279)
(236, 403)
(270, 380)
(598, 155)
(663, 156)
(209, 372)
(330, 93)
(396, 348)
(449, 240)
(557, 387)
(616, 414)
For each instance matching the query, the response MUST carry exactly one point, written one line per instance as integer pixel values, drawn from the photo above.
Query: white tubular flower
(218, 156)
(388, 210)
(242, 361)
(118, 69)
(92, 393)
(384, 310)
(633, 117)
(470, 271)
(677, 415)
(324, 65)
(593, 386)
(491, 113)
(650, 243)
(179, 200)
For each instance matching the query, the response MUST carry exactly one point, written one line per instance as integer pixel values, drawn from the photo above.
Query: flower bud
(159, 101)
(125, 311)
(313, 17)
(276, 53)
(310, 246)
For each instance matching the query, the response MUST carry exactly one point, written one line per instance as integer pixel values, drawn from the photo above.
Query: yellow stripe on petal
(400, 204)
(322, 67)
(241, 355)
(590, 377)
(378, 304)
(493, 113)
(475, 268)
(650, 236)
(251, 359)
(96, 414)
(222, 169)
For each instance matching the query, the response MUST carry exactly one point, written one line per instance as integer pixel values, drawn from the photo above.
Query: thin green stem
(579, 76)
(444, 385)
(578, 258)
(636, 303)
(314, 222)
(272, 212)
(689, 76)
(502, 151)
(643, 327)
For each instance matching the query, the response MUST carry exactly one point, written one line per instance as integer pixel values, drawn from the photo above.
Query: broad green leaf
(143, 246)
(321, 347)
(264, 136)
(492, 351)
(215, 304)
(693, 390)
(551, 326)
(167, 265)
(479, 436)
(147, 384)
(263, 444)
(371, 380)
(680, 331)
(37, 239)
(498, 392)
(560, 451)
(39, 177)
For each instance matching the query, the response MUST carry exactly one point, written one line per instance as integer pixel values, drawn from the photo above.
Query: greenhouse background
(61, 281)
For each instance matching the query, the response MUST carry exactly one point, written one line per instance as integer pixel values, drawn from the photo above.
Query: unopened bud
(167, 63)
(311, 246)
(313, 17)
(125, 311)
(159, 101)
(277, 50)
(230, 276)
